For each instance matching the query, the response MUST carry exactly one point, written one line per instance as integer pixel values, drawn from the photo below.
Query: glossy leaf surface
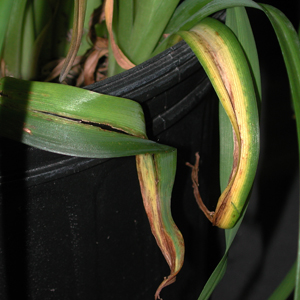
(74, 121)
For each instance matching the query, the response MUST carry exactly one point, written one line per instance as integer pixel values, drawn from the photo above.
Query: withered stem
(195, 170)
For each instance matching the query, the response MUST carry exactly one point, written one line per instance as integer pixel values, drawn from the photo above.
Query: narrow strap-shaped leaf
(225, 144)
(237, 20)
(289, 43)
(73, 121)
(120, 57)
(74, 103)
(286, 286)
(5, 9)
(226, 139)
(125, 22)
(220, 269)
(151, 18)
(290, 47)
(13, 39)
(226, 65)
(191, 12)
(78, 23)
(156, 175)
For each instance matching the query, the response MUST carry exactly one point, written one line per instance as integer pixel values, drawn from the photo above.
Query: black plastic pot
(75, 228)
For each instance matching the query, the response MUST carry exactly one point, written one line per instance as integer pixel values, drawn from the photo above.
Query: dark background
(60, 245)
(266, 244)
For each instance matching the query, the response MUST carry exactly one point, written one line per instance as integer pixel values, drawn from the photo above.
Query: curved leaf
(224, 61)
(156, 175)
(78, 23)
(191, 12)
(73, 121)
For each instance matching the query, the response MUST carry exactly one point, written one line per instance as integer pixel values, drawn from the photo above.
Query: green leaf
(12, 48)
(227, 148)
(5, 10)
(224, 61)
(77, 31)
(27, 42)
(151, 18)
(191, 12)
(125, 23)
(289, 43)
(49, 108)
(286, 287)
(73, 121)
(156, 175)
(220, 269)
(237, 20)
(290, 47)
(226, 153)
(86, 43)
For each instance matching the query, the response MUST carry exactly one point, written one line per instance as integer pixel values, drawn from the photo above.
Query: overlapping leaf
(29, 116)
(226, 65)
(78, 23)
(79, 122)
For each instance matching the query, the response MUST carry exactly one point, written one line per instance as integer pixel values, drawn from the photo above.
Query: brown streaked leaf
(59, 65)
(156, 175)
(225, 63)
(100, 49)
(78, 23)
(120, 57)
(3, 68)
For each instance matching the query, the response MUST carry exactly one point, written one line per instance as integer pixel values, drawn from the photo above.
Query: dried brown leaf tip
(120, 57)
(88, 68)
(194, 176)
(157, 206)
(92, 70)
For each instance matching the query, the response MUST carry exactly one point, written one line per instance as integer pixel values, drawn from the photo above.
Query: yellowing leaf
(224, 61)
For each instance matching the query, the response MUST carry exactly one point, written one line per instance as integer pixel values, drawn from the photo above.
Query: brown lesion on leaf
(27, 130)
(3, 69)
(220, 211)
(215, 216)
(236, 156)
(120, 57)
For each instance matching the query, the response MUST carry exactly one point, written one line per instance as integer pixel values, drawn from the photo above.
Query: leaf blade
(68, 127)
(78, 24)
(191, 12)
(156, 175)
(226, 66)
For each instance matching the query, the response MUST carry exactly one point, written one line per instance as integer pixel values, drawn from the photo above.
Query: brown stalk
(149, 181)
(79, 14)
(120, 57)
(99, 50)
(195, 170)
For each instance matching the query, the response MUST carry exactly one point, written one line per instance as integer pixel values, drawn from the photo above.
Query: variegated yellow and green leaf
(223, 59)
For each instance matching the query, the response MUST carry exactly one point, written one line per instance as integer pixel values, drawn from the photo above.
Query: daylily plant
(35, 112)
